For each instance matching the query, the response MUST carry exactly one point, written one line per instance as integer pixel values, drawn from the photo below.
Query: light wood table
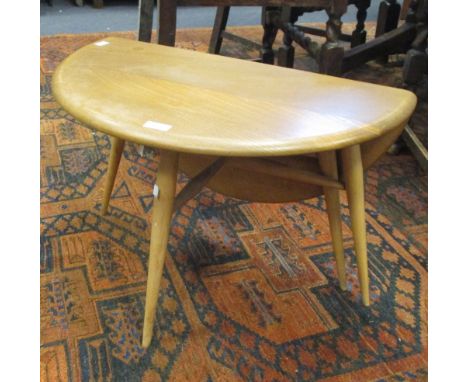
(252, 131)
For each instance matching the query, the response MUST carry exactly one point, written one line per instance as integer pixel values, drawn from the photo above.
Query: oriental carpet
(249, 291)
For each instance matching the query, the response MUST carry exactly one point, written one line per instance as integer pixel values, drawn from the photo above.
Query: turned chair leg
(286, 51)
(270, 30)
(161, 223)
(117, 146)
(359, 34)
(332, 53)
(354, 179)
(329, 167)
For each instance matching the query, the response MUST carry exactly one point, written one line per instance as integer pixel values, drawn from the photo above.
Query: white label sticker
(157, 126)
(102, 43)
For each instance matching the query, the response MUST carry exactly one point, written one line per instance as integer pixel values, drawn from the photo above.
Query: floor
(122, 15)
(231, 308)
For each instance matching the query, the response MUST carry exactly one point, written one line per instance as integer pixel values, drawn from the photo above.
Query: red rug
(231, 307)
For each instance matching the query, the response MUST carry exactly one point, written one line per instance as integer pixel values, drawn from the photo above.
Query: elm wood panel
(197, 182)
(221, 106)
(285, 171)
(241, 183)
(371, 151)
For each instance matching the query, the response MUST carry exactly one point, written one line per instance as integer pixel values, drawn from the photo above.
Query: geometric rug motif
(249, 291)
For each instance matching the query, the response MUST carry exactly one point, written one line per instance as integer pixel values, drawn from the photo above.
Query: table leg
(167, 22)
(222, 14)
(354, 179)
(161, 223)
(145, 20)
(117, 146)
(359, 35)
(387, 20)
(329, 167)
(269, 35)
(286, 51)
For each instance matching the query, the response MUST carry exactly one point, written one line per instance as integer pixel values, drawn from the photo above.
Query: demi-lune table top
(194, 102)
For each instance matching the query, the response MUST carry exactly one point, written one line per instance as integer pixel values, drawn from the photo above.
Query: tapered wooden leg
(161, 223)
(117, 146)
(354, 179)
(329, 167)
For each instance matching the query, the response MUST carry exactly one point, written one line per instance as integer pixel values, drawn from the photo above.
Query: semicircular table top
(199, 103)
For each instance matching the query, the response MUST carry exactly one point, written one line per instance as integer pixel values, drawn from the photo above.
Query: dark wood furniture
(328, 54)
(415, 67)
(331, 56)
(290, 15)
(333, 59)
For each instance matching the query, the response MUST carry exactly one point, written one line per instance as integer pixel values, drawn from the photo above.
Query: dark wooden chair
(414, 68)
(290, 15)
(332, 58)
(329, 54)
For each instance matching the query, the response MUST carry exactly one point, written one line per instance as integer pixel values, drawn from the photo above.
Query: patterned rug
(249, 291)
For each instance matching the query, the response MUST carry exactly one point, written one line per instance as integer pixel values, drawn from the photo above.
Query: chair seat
(198, 103)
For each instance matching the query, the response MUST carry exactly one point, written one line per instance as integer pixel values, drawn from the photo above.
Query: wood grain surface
(206, 104)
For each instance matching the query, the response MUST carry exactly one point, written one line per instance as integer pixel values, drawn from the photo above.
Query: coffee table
(251, 131)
